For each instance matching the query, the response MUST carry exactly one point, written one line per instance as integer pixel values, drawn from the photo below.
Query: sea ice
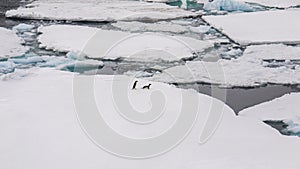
(11, 44)
(105, 44)
(254, 27)
(241, 72)
(95, 10)
(39, 111)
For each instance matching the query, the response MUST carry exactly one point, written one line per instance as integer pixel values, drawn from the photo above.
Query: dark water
(6, 5)
(241, 98)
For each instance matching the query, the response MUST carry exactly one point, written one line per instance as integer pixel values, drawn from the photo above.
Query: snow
(254, 27)
(241, 72)
(117, 44)
(228, 5)
(95, 10)
(39, 126)
(273, 52)
(12, 45)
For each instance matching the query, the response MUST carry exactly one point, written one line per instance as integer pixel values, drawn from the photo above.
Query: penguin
(147, 86)
(134, 85)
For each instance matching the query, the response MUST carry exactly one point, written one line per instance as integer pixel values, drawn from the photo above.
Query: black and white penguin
(134, 85)
(147, 86)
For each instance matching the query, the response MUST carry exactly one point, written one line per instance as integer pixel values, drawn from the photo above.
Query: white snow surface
(98, 10)
(10, 44)
(40, 129)
(107, 44)
(259, 27)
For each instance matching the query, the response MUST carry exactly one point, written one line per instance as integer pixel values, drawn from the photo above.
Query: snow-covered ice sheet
(95, 10)
(10, 44)
(39, 125)
(259, 27)
(241, 72)
(273, 52)
(106, 44)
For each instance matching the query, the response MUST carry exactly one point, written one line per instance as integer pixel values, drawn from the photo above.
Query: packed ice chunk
(23, 27)
(76, 55)
(6, 67)
(10, 44)
(200, 29)
(293, 125)
(228, 5)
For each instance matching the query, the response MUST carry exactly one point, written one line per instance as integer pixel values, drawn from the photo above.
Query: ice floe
(259, 27)
(42, 116)
(95, 10)
(105, 44)
(241, 72)
(11, 44)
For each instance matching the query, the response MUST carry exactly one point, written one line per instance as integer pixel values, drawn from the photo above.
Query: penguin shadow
(146, 87)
